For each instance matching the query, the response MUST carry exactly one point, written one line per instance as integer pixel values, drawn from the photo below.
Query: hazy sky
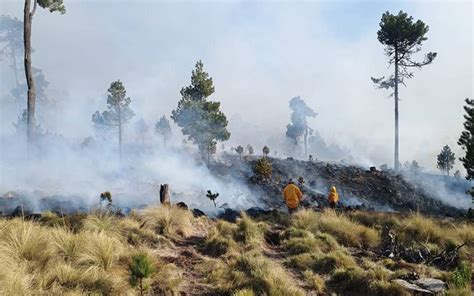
(260, 55)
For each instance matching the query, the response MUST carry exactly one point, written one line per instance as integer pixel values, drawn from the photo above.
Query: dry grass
(321, 262)
(346, 231)
(250, 271)
(101, 251)
(170, 221)
(314, 281)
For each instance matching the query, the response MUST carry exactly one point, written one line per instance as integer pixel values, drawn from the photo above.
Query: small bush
(262, 170)
(461, 276)
(249, 232)
(321, 263)
(220, 239)
(140, 269)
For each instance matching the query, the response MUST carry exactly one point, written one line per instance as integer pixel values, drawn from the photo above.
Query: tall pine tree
(200, 119)
(466, 141)
(118, 113)
(299, 125)
(402, 38)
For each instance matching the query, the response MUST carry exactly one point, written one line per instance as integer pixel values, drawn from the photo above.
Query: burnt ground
(357, 186)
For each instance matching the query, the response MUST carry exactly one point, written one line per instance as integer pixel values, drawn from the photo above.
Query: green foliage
(140, 269)
(262, 169)
(298, 126)
(119, 111)
(466, 140)
(201, 120)
(163, 128)
(461, 276)
(52, 5)
(446, 159)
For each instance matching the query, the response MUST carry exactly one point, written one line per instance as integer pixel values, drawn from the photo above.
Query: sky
(260, 54)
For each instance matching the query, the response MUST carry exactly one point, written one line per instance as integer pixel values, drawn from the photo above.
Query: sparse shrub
(140, 269)
(262, 170)
(170, 220)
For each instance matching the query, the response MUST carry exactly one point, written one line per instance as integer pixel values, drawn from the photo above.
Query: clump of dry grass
(100, 251)
(314, 281)
(170, 221)
(250, 270)
(98, 222)
(249, 232)
(220, 239)
(356, 281)
(347, 232)
(136, 235)
(66, 243)
(321, 262)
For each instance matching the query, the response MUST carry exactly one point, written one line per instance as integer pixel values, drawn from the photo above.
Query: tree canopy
(446, 159)
(466, 140)
(200, 119)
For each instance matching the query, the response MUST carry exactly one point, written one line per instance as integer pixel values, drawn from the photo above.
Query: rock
(434, 285)
(198, 213)
(412, 287)
(182, 205)
(229, 215)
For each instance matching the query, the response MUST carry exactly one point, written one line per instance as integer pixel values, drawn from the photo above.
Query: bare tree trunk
(120, 130)
(396, 156)
(27, 19)
(164, 194)
(306, 143)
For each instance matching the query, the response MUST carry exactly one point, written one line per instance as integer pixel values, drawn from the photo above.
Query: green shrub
(141, 268)
(461, 276)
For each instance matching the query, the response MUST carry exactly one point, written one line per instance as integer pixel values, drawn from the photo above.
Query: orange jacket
(333, 197)
(292, 195)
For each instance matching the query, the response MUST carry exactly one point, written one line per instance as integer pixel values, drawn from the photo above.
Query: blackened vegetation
(373, 189)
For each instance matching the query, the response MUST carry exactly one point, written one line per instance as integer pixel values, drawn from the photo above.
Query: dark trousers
(292, 210)
(332, 204)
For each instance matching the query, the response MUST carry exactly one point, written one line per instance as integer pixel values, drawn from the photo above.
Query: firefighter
(293, 197)
(333, 197)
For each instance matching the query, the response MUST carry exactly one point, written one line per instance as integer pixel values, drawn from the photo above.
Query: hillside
(310, 253)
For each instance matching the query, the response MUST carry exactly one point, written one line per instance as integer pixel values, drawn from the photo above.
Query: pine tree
(163, 128)
(446, 159)
(200, 119)
(240, 151)
(466, 140)
(402, 38)
(118, 113)
(299, 126)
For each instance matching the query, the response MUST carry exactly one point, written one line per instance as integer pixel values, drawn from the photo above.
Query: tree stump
(164, 194)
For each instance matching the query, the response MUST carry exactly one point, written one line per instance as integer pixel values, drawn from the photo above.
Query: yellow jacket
(292, 195)
(333, 196)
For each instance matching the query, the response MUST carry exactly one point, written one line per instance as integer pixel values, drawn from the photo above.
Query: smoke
(260, 55)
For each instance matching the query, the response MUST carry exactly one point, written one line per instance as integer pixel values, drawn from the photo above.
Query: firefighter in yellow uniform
(293, 196)
(333, 197)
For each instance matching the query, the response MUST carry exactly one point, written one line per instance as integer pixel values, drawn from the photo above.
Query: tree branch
(34, 9)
